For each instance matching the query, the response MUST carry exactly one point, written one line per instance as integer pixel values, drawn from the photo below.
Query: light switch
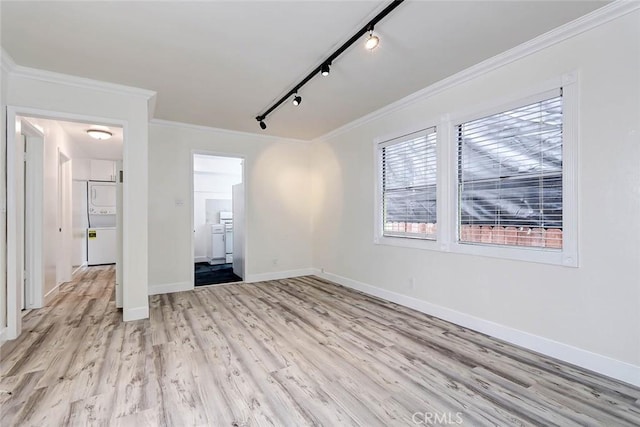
(179, 202)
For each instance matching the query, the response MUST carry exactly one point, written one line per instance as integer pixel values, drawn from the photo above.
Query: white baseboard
(49, 296)
(277, 275)
(84, 264)
(136, 313)
(201, 259)
(168, 288)
(605, 365)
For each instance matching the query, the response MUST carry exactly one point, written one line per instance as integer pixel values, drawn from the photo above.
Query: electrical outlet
(412, 283)
(274, 261)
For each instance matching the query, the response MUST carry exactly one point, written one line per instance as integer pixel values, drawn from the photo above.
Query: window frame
(405, 241)
(447, 179)
(568, 255)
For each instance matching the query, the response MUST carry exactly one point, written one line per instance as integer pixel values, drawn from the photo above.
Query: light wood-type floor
(282, 353)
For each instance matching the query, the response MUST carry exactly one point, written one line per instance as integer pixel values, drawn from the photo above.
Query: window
(408, 185)
(510, 176)
(501, 181)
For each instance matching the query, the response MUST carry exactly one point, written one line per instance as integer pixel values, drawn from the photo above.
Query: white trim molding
(81, 82)
(587, 22)
(169, 288)
(136, 313)
(6, 61)
(601, 364)
(277, 275)
(201, 128)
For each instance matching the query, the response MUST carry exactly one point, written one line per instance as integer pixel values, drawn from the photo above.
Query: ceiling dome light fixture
(325, 69)
(99, 134)
(297, 100)
(372, 41)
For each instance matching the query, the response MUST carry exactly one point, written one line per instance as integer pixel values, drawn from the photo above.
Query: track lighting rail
(328, 61)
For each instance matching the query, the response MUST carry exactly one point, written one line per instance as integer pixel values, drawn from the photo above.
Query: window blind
(510, 176)
(408, 171)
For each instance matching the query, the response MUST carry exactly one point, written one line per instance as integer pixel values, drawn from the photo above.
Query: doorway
(41, 155)
(218, 219)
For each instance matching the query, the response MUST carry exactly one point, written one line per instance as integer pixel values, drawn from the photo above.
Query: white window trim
(403, 241)
(447, 189)
(568, 255)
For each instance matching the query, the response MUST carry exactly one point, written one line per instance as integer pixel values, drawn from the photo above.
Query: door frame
(14, 318)
(191, 210)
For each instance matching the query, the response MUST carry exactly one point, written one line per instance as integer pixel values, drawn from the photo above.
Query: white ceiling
(81, 145)
(221, 63)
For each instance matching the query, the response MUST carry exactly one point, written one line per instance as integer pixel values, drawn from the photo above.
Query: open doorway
(218, 219)
(61, 162)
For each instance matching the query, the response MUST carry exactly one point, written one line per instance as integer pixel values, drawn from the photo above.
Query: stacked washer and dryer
(220, 247)
(101, 212)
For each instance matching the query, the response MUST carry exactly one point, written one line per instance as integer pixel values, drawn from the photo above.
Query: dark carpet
(214, 274)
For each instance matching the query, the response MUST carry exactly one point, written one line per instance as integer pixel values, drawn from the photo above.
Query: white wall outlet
(412, 283)
(274, 261)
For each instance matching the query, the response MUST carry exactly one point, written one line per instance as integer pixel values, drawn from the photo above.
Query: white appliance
(101, 234)
(101, 245)
(216, 248)
(226, 219)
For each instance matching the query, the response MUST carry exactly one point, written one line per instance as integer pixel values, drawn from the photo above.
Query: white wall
(33, 89)
(277, 226)
(55, 140)
(595, 307)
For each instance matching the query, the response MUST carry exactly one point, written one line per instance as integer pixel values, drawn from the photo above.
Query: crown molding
(585, 23)
(200, 128)
(80, 82)
(7, 63)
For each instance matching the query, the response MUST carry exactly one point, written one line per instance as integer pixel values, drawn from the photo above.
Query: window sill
(408, 242)
(513, 253)
(523, 253)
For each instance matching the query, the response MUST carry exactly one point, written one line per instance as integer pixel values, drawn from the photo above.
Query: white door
(238, 229)
(30, 228)
(33, 221)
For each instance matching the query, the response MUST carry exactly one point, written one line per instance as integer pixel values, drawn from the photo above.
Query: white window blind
(510, 176)
(408, 175)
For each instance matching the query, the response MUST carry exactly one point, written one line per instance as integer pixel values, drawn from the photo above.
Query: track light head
(372, 41)
(325, 69)
(260, 120)
(297, 100)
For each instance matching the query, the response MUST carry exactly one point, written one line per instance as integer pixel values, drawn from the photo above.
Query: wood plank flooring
(295, 352)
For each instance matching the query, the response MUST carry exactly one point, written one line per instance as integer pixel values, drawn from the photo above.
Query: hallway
(59, 359)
